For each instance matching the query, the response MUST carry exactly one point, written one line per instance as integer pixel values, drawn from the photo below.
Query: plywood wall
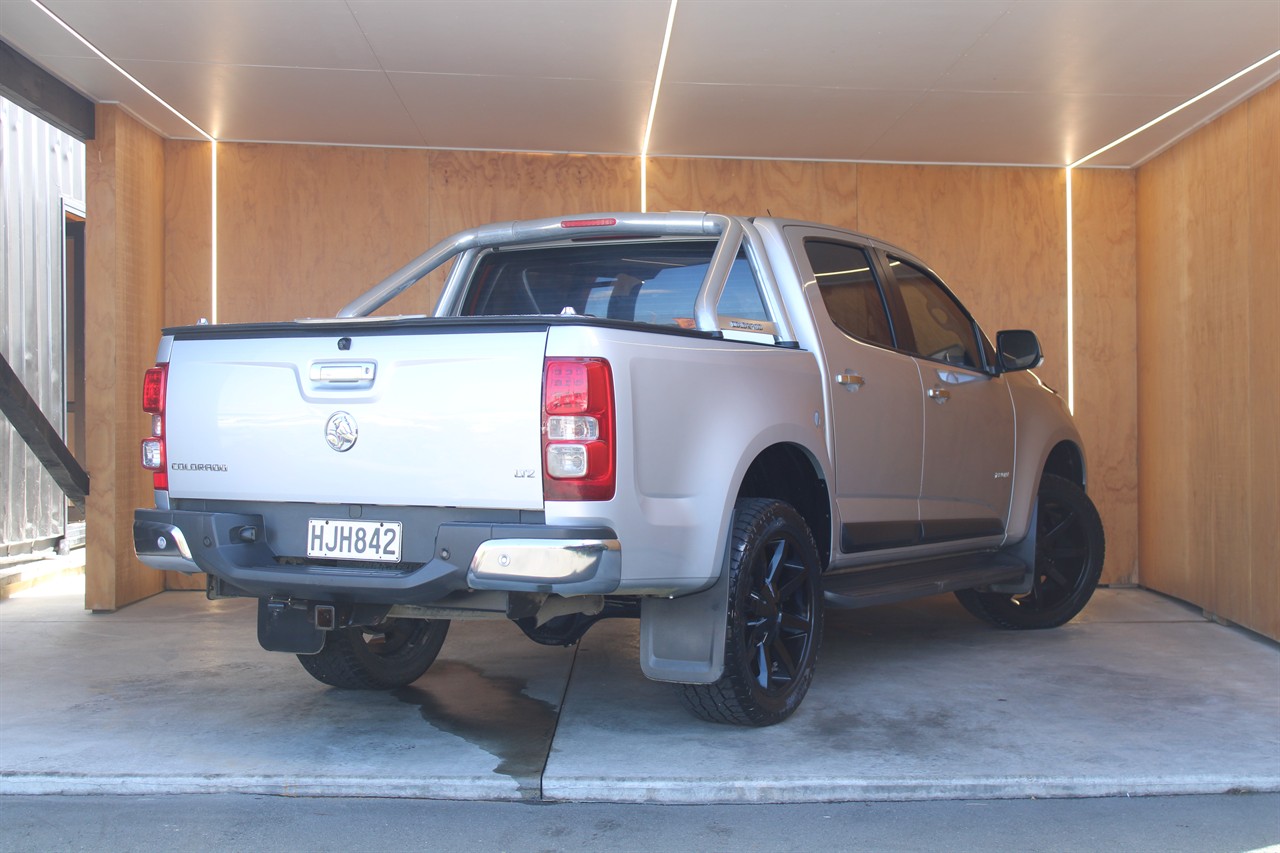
(188, 231)
(470, 188)
(818, 192)
(124, 300)
(1257, 597)
(1106, 374)
(1208, 318)
(302, 230)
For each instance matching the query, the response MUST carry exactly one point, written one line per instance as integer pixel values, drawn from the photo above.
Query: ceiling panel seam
(386, 75)
(924, 93)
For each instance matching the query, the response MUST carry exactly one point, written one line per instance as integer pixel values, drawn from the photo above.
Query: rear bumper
(236, 548)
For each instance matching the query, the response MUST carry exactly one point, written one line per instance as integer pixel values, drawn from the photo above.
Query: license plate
(337, 539)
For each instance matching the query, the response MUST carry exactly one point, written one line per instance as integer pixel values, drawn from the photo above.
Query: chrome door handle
(342, 372)
(852, 381)
(939, 395)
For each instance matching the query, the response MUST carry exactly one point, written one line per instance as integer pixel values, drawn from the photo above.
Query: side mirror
(1018, 349)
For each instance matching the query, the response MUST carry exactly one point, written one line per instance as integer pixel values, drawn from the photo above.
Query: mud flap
(682, 639)
(1026, 552)
(285, 628)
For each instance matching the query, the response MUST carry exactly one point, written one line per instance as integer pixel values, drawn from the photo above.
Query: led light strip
(653, 108)
(1071, 308)
(1179, 108)
(213, 146)
(1071, 350)
(213, 239)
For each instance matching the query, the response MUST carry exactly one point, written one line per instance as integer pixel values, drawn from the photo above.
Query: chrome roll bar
(731, 230)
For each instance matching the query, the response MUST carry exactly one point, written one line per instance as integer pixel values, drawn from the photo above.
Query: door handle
(939, 394)
(851, 381)
(342, 372)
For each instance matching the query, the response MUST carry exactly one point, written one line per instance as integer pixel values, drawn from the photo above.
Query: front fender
(1043, 422)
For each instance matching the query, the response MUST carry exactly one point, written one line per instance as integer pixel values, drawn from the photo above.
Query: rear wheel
(1069, 551)
(774, 619)
(393, 653)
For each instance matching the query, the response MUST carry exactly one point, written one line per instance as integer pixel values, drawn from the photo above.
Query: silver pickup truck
(716, 424)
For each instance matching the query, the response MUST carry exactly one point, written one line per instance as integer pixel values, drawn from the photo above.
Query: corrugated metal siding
(40, 167)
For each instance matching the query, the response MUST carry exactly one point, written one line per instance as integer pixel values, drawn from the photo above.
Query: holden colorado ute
(716, 424)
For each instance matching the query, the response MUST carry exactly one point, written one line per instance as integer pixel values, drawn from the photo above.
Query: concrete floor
(1139, 696)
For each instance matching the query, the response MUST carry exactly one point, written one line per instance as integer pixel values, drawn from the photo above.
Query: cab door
(874, 398)
(967, 478)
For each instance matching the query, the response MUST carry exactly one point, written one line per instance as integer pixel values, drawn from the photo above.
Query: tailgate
(439, 418)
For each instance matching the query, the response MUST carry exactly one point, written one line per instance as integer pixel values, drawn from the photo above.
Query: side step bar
(886, 584)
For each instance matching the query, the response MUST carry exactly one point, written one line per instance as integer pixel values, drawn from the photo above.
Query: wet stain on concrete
(917, 732)
(491, 712)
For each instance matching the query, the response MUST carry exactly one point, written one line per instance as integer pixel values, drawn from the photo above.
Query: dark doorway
(73, 317)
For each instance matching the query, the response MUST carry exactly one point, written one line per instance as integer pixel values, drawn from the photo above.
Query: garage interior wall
(1208, 323)
(301, 229)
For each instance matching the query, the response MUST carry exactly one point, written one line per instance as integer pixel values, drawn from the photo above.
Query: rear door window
(850, 291)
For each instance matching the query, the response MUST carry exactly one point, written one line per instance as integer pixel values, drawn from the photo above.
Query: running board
(886, 584)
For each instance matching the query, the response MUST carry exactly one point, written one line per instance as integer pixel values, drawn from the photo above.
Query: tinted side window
(741, 298)
(942, 330)
(666, 298)
(849, 290)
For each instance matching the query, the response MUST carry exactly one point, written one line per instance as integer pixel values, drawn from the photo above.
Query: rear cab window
(654, 283)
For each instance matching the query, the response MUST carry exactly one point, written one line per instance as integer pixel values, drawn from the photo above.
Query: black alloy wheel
(1070, 547)
(774, 625)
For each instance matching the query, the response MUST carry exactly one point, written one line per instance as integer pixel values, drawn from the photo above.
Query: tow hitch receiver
(325, 617)
(292, 626)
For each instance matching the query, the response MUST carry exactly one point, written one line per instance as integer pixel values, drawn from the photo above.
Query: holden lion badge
(341, 431)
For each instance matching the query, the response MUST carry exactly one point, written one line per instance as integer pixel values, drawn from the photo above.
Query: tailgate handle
(343, 372)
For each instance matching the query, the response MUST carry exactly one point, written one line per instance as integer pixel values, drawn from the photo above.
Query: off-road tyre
(774, 619)
(394, 653)
(1070, 546)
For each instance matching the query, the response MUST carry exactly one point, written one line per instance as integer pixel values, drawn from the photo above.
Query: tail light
(577, 430)
(154, 458)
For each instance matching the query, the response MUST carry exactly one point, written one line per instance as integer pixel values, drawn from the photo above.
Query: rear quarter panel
(692, 414)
